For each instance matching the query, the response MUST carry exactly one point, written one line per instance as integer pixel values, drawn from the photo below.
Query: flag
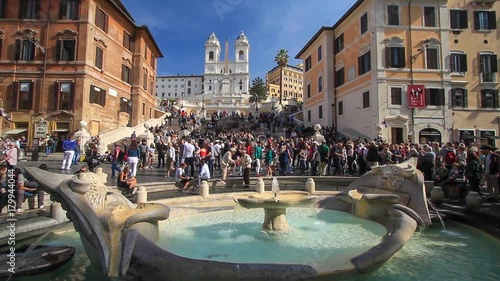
(386, 125)
(5, 115)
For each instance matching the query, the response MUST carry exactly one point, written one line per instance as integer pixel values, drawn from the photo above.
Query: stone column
(260, 186)
(57, 212)
(141, 196)
(310, 186)
(204, 190)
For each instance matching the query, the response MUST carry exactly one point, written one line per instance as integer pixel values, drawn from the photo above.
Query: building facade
(292, 83)
(65, 61)
(174, 87)
(396, 72)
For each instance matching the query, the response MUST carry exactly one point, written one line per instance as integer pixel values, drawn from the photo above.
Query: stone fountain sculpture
(109, 225)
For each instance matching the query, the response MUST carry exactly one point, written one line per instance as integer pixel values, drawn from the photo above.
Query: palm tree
(282, 60)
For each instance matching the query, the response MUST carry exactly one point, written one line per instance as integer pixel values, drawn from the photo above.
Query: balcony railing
(488, 77)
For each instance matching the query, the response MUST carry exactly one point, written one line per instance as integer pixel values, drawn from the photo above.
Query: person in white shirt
(188, 155)
(181, 177)
(246, 163)
(204, 172)
(216, 152)
(170, 152)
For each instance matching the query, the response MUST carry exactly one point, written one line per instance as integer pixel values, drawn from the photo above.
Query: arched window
(241, 55)
(211, 56)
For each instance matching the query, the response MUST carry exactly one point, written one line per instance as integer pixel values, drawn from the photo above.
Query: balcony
(488, 77)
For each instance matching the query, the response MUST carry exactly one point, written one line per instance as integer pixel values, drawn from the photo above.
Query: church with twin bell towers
(224, 77)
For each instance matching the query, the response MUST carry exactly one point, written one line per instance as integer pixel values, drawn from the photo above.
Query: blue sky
(181, 28)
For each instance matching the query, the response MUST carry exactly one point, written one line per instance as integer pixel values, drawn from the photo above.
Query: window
(99, 54)
(434, 96)
(320, 84)
(458, 19)
(65, 50)
(430, 16)
(309, 116)
(393, 15)
(489, 98)
(488, 67)
(126, 74)
(485, 20)
(458, 62)
(25, 50)
(241, 55)
(396, 96)
(29, 9)
(211, 56)
(340, 108)
(319, 53)
(64, 96)
(3, 8)
(364, 23)
(339, 77)
(153, 61)
(189, 91)
(101, 20)
(364, 64)
(458, 97)
(189, 83)
(97, 95)
(339, 43)
(320, 112)
(124, 105)
(128, 41)
(145, 80)
(432, 57)
(366, 99)
(22, 98)
(395, 57)
(143, 108)
(68, 9)
(308, 90)
(308, 63)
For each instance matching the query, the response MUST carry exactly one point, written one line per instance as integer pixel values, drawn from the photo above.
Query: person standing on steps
(68, 146)
(246, 163)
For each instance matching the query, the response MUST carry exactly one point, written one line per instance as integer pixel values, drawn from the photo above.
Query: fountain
(370, 221)
(275, 206)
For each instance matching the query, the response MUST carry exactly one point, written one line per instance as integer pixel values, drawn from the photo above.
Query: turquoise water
(458, 253)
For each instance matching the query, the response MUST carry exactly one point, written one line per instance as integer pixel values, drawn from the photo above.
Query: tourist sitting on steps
(125, 183)
(181, 177)
(25, 188)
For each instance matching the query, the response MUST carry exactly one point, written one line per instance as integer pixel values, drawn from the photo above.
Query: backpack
(50, 142)
(450, 157)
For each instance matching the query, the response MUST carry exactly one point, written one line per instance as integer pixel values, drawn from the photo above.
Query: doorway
(430, 135)
(95, 128)
(397, 135)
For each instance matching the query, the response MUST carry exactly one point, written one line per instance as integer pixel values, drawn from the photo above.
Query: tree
(282, 60)
(258, 91)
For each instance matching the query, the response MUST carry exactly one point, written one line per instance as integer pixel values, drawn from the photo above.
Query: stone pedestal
(57, 212)
(473, 201)
(437, 195)
(260, 186)
(83, 136)
(141, 196)
(204, 190)
(310, 186)
(275, 219)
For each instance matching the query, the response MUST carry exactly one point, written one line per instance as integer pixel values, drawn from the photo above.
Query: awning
(352, 134)
(61, 130)
(16, 131)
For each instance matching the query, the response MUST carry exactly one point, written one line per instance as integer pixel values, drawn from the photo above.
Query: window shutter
(32, 85)
(402, 57)
(427, 97)
(58, 50)
(72, 96)
(360, 61)
(388, 57)
(441, 97)
(464, 23)
(22, 9)
(453, 98)
(494, 63)
(465, 99)
(452, 61)
(62, 9)
(103, 98)
(54, 98)
(481, 63)
(18, 49)
(12, 97)
(492, 20)
(454, 24)
(476, 20)
(463, 62)
(495, 98)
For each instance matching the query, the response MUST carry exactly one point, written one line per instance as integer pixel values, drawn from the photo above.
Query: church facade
(224, 77)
